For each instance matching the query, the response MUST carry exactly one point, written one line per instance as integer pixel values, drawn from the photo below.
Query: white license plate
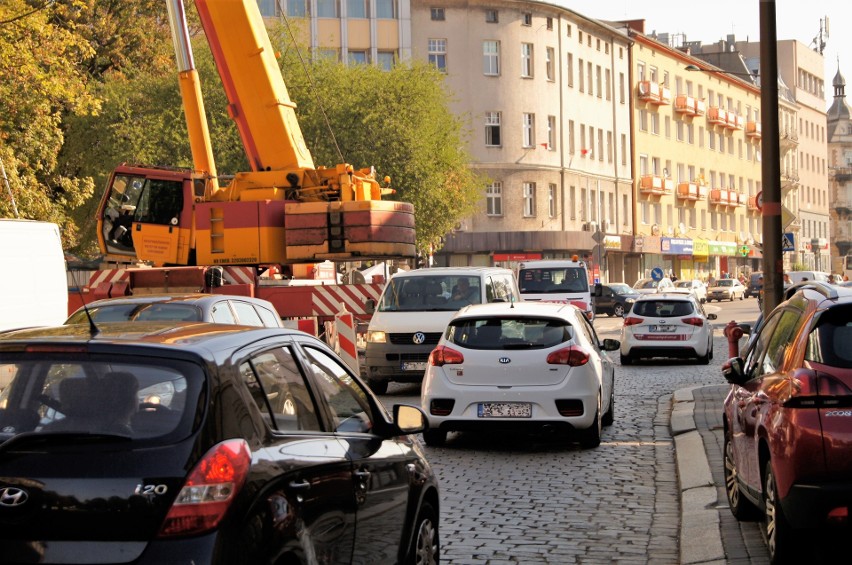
(414, 366)
(662, 329)
(504, 410)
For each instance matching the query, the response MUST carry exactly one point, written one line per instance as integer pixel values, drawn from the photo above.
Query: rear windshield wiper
(64, 436)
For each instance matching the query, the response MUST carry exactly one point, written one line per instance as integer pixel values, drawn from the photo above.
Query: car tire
(590, 437)
(609, 417)
(708, 301)
(425, 544)
(780, 541)
(704, 359)
(378, 387)
(435, 438)
(742, 508)
(626, 359)
(732, 297)
(618, 310)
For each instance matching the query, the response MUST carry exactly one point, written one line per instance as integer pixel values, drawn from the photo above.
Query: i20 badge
(505, 360)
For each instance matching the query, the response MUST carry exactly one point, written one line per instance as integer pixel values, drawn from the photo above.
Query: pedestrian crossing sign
(787, 242)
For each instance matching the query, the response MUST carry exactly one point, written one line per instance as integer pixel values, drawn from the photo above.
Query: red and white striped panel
(327, 299)
(107, 276)
(239, 275)
(345, 339)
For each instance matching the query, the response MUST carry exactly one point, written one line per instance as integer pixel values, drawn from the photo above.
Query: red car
(788, 420)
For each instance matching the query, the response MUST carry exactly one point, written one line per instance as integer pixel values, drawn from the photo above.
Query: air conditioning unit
(463, 226)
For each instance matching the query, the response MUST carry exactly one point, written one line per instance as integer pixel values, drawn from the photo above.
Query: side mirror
(370, 305)
(409, 419)
(611, 345)
(732, 370)
(598, 289)
(712, 316)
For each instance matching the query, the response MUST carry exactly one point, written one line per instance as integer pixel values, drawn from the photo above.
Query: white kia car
(667, 325)
(528, 366)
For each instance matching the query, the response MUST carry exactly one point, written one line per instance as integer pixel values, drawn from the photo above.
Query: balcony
(843, 205)
(685, 105)
(653, 93)
(737, 198)
(700, 107)
(753, 130)
(789, 177)
(668, 186)
(665, 95)
(788, 139)
(735, 121)
(843, 174)
(687, 191)
(651, 184)
(720, 196)
(751, 204)
(717, 116)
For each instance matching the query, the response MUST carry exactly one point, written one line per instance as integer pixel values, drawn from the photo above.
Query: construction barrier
(345, 339)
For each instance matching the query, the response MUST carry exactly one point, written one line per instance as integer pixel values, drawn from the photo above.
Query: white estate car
(694, 287)
(526, 366)
(667, 325)
(648, 286)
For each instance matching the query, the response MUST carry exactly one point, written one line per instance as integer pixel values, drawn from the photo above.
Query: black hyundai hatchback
(203, 443)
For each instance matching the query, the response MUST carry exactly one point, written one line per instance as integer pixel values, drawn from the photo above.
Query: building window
(569, 68)
(491, 16)
(529, 199)
(568, 30)
(621, 88)
(529, 130)
(297, 8)
(325, 54)
(492, 129)
(600, 145)
(385, 60)
(386, 9)
(438, 53)
(549, 23)
(589, 77)
(527, 60)
(358, 58)
(494, 199)
(582, 84)
(527, 18)
(570, 137)
(491, 58)
(437, 14)
(551, 200)
(356, 8)
(268, 8)
(598, 80)
(572, 201)
(608, 85)
(327, 9)
(548, 62)
(551, 132)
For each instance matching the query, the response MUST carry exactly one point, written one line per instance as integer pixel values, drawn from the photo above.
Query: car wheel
(379, 387)
(709, 300)
(618, 310)
(741, 507)
(609, 417)
(704, 359)
(626, 359)
(780, 542)
(435, 438)
(591, 436)
(425, 547)
(732, 297)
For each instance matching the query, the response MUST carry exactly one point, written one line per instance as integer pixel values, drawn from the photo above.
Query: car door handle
(300, 485)
(362, 475)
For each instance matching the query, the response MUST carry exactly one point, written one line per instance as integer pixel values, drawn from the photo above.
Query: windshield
(725, 282)
(554, 279)
(508, 333)
(138, 313)
(646, 283)
(430, 293)
(621, 289)
(685, 284)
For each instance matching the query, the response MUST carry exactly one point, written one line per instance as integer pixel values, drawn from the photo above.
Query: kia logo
(13, 496)
(419, 338)
(505, 360)
(662, 321)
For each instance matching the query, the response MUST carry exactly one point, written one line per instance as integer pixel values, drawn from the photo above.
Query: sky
(709, 22)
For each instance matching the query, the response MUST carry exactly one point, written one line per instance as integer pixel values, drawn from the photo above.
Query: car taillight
(693, 321)
(818, 390)
(573, 356)
(632, 321)
(209, 490)
(443, 355)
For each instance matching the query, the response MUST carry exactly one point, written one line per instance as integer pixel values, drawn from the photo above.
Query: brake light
(573, 356)
(443, 355)
(632, 321)
(209, 490)
(818, 390)
(693, 321)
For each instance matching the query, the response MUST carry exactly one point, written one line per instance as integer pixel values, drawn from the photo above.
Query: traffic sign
(656, 273)
(788, 242)
(787, 217)
(759, 201)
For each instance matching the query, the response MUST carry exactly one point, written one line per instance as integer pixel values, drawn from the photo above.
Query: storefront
(678, 250)
(723, 258)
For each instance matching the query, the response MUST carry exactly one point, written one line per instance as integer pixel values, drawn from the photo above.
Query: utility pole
(773, 261)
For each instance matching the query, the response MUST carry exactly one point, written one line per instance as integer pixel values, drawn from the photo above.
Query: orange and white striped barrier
(346, 339)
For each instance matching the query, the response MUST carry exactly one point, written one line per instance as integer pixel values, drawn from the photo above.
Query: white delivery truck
(33, 285)
(414, 310)
(557, 280)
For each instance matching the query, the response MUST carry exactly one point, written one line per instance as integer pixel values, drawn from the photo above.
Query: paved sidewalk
(709, 533)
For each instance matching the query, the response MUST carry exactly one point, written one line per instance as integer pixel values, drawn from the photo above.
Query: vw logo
(505, 360)
(13, 496)
(419, 338)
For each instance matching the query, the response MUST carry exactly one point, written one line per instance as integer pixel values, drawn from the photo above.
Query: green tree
(41, 83)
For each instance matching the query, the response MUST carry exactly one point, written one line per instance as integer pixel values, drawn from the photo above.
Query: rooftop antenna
(819, 41)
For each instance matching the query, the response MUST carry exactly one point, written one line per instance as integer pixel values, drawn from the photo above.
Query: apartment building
(840, 177)
(697, 162)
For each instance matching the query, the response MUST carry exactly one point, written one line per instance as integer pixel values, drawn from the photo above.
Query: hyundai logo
(13, 496)
(505, 360)
(419, 338)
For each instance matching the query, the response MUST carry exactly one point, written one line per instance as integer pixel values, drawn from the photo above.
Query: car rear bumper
(808, 505)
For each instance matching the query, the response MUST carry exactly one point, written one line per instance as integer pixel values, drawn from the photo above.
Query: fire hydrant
(733, 332)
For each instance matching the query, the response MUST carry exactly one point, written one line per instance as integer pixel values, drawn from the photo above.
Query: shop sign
(612, 242)
(700, 248)
(728, 248)
(676, 246)
(516, 256)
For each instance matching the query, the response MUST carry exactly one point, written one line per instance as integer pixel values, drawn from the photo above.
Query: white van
(557, 280)
(414, 310)
(34, 287)
(799, 276)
